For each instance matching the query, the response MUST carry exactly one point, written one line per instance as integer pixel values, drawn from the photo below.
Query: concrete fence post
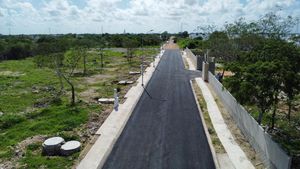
(205, 67)
(116, 100)
(212, 65)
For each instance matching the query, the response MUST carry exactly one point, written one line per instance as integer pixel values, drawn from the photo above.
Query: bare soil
(20, 150)
(226, 73)
(97, 78)
(89, 95)
(10, 73)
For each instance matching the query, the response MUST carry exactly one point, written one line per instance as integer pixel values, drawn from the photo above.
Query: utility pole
(9, 22)
(298, 26)
(142, 64)
(181, 26)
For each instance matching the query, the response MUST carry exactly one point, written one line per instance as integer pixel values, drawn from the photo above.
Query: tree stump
(52, 146)
(70, 147)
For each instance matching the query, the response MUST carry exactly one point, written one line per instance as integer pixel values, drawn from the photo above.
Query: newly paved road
(165, 131)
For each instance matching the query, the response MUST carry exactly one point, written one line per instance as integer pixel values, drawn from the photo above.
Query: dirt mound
(20, 150)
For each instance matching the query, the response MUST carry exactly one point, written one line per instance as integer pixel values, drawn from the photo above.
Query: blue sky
(115, 16)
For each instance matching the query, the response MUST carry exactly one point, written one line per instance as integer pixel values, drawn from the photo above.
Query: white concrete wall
(270, 152)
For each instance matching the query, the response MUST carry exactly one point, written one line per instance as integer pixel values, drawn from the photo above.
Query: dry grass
(213, 135)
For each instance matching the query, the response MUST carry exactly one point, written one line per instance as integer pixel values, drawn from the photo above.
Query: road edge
(113, 126)
(212, 149)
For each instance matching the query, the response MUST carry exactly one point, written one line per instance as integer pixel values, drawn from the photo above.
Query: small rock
(48, 88)
(130, 82)
(106, 100)
(134, 73)
(125, 82)
(122, 82)
(35, 91)
(17, 152)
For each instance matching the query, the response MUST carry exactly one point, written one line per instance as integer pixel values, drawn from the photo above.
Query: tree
(130, 45)
(82, 45)
(259, 44)
(70, 61)
(165, 36)
(291, 87)
(274, 26)
(206, 29)
(101, 58)
(53, 61)
(49, 53)
(18, 51)
(290, 73)
(63, 64)
(222, 48)
(183, 34)
(286, 56)
(2, 50)
(244, 36)
(261, 74)
(253, 83)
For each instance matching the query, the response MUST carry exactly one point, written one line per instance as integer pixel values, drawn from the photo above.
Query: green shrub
(10, 120)
(68, 136)
(33, 146)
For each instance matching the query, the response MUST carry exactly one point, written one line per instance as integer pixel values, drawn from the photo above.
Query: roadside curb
(212, 149)
(234, 151)
(189, 62)
(113, 126)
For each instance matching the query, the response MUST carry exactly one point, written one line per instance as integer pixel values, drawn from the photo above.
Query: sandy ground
(226, 73)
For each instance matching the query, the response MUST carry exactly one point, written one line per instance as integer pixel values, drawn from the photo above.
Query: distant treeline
(22, 46)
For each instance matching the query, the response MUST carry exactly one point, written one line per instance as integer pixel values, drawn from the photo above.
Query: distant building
(196, 35)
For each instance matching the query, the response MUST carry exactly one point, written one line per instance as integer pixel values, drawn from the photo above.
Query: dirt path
(171, 44)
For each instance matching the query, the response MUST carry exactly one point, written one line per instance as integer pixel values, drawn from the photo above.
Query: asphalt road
(165, 130)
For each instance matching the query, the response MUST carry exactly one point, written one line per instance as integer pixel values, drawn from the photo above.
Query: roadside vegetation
(213, 135)
(52, 90)
(263, 61)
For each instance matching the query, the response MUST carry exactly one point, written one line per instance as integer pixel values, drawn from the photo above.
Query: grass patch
(48, 121)
(16, 91)
(33, 159)
(23, 85)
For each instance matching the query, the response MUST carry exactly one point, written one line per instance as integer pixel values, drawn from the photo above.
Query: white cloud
(64, 16)
(1, 14)
(190, 2)
(60, 10)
